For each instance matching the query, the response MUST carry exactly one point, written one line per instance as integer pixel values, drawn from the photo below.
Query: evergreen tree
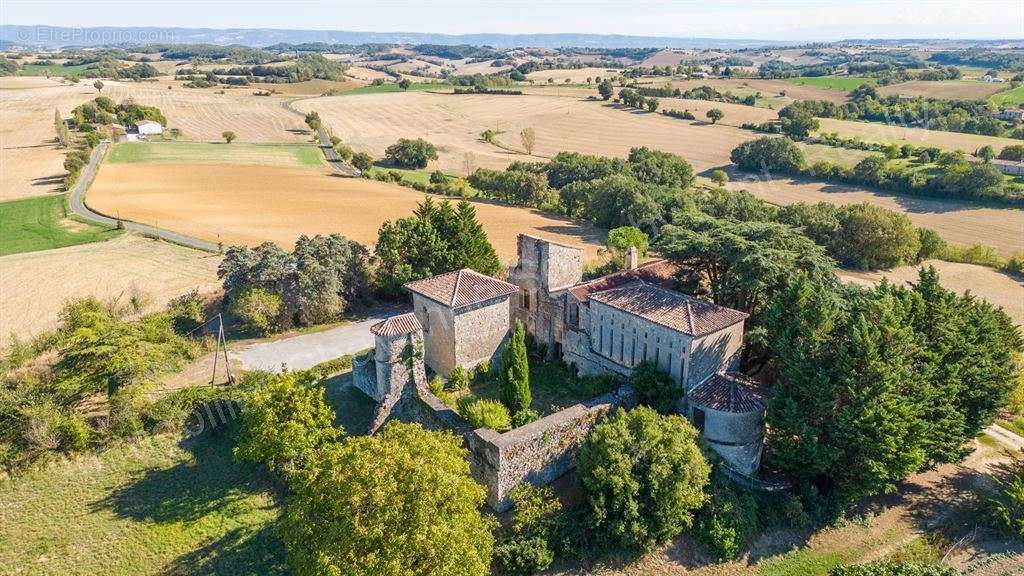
(471, 246)
(514, 377)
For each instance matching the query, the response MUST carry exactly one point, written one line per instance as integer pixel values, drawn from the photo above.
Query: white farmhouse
(148, 127)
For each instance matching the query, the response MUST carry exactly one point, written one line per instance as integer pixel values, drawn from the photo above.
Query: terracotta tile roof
(669, 308)
(661, 272)
(461, 288)
(729, 392)
(397, 325)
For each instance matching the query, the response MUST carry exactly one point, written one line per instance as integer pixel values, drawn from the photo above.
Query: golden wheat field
(948, 89)
(254, 204)
(372, 122)
(36, 284)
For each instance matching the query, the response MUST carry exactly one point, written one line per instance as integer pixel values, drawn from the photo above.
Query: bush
(526, 548)
(411, 153)
(483, 413)
(524, 417)
(719, 177)
(1005, 510)
(643, 477)
(728, 518)
(188, 312)
(888, 568)
(932, 245)
(258, 309)
(458, 379)
(362, 161)
(285, 418)
(655, 388)
(483, 371)
(125, 411)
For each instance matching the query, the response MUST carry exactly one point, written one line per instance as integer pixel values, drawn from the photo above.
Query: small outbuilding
(728, 409)
(149, 127)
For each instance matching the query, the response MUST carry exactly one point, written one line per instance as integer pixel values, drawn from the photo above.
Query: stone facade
(608, 325)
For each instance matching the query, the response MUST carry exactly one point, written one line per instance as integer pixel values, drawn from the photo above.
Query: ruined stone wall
(537, 453)
(364, 375)
(561, 266)
(438, 323)
(714, 353)
(481, 331)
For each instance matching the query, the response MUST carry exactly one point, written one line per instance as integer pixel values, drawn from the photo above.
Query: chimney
(632, 258)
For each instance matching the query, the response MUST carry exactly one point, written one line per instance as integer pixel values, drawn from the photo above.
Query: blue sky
(780, 20)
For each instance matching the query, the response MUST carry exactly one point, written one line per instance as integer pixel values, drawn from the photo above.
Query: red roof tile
(461, 288)
(397, 325)
(661, 272)
(669, 308)
(729, 392)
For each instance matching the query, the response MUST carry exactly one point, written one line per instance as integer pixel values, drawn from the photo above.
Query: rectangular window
(426, 321)
(526, 299)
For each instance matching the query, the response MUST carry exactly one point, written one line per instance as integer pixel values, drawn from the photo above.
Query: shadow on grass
(208, 495)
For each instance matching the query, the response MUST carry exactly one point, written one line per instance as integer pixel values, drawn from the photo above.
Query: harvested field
(36, 284)
(308, 88)
(998, 288)
(957, 222)
(840, 83)
(31, 163)
(253, 204)
(886, 133)
(371, 122)
(575, 75)
(947, 89)
(366, 74)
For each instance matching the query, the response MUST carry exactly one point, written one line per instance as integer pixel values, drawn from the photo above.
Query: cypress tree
(470, 243)
(515, 372)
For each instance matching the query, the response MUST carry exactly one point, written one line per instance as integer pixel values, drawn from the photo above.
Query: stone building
(465, 318)
(606, 325)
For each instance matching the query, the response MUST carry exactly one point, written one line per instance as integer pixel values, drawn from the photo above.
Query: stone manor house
(606, 325)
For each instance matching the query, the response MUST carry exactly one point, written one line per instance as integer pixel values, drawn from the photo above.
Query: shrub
(728, 518)
(719, 177)
(285, 418)
(932, 245)
(524, 417)
(482, 413)
(1015, 264)
(438, 177)
(620, 239)
(125, 411)
(768, 153)
(483, 371)
(655, 388)
(258, 309)
(362, 161)
(643, 477)
(399, 502)
(889, 568)
(188, 312)
(526, 548)
(1005, 510)
(458, 379)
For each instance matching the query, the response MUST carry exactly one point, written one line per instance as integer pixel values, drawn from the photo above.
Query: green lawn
(844, 83)
(1012, 97)
(844, 157)
(301, 155)
(393, 87)
(155, 507)
(54, 70)
(1013, 424)
(42, 223)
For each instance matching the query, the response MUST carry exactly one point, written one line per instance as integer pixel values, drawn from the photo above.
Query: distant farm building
(1011, 115)
(148, 127)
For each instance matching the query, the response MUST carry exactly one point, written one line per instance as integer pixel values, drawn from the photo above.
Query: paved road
(308, 350)
(79, 207)
(324, 140)
(1005, 437)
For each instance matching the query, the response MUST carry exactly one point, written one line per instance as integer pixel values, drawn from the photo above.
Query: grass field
(209, 153)
(842, 83)
(841, 156)
(43, 223)
(1012, 97)
(155, 507)
(253, 204)
(389, 87)
(947, 89)
(895, 133)
(36, 284)
(54, 70)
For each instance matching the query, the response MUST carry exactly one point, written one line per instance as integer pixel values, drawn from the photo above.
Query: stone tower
(397, 368)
